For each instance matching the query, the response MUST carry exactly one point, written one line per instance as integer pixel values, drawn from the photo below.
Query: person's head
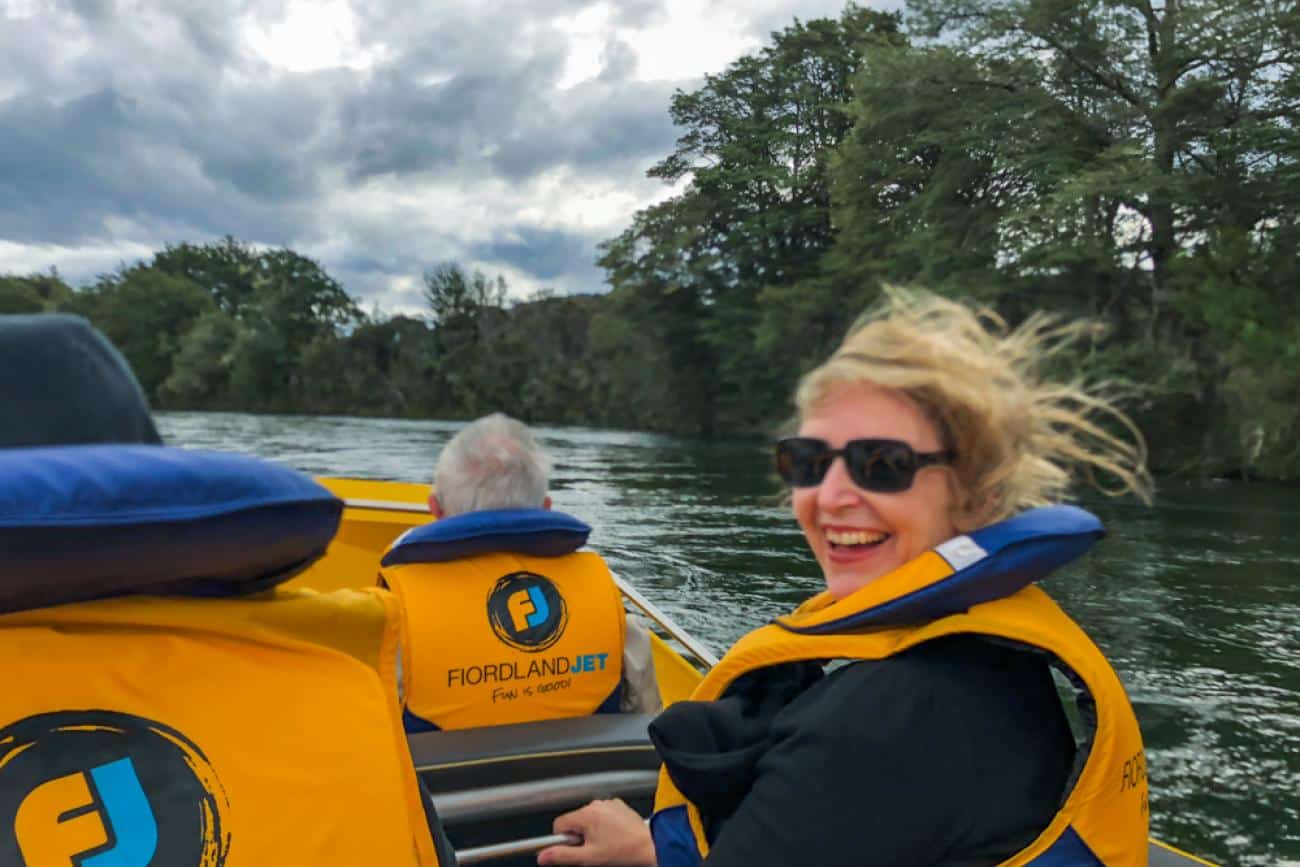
(63, 383)
(492, 463)
(970, 397)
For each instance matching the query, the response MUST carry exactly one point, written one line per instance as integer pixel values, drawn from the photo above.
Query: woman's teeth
(855, 537)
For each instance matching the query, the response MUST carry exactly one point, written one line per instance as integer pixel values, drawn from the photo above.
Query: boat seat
(500, 784)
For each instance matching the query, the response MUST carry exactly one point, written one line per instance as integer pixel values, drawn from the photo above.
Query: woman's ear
(435, 507)
(968, 511)
(975, 515)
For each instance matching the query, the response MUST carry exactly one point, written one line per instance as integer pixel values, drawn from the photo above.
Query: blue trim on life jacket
(415, 725)
(675, 844)
(1068, 850)
(535, 532)
(1017, 552)
(612, 701)
(93, 521)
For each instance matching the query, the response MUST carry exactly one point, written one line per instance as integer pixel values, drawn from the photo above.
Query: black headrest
(63, 383)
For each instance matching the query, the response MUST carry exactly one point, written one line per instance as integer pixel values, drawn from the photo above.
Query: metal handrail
(527, 846)
(512, 799)
(385, 505)
(669, 625)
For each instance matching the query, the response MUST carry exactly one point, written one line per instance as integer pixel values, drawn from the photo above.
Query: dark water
(1197, 601)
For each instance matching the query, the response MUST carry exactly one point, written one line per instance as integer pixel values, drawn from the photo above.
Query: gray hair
(492, 463)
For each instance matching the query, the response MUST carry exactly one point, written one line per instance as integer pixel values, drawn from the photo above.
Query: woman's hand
(613, 835)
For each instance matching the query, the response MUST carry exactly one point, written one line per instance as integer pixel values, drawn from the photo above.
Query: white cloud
(691, 39)
(588, 32)
(311, 35)
(15, 9)
(83, 259)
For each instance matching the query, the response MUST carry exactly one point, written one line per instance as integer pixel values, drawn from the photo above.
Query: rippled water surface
(1197, 601)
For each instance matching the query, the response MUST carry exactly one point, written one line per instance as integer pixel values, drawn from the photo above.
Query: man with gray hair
(506, 620)
(493, 463)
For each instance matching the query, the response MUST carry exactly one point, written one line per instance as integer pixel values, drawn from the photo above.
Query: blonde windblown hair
(1020, 439)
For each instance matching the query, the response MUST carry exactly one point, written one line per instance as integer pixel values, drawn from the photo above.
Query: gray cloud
(547, 253)
(149, 123)
(601, 124)
(67, 168)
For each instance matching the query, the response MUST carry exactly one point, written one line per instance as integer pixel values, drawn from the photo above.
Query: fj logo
(528, 608)
(97, 788)
(103, 811)
(526, 611)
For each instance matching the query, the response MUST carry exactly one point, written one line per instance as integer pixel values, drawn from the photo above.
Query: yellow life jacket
(214, 732)
(971, 584)
(505, 636)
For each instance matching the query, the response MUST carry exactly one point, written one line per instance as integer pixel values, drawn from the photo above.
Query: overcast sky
(379, 137)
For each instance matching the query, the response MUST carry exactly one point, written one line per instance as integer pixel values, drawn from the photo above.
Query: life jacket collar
(534, 532)
(987, 564)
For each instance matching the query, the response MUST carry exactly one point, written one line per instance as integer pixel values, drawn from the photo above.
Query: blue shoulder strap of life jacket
(986, 564)
(92, 521)
(535, 532)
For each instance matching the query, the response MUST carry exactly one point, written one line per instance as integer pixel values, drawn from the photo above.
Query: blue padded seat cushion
(536, 532)
(92, 521)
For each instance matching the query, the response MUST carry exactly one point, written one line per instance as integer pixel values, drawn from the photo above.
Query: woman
(944, 740)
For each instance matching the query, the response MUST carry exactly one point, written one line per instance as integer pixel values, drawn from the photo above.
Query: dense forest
(1134, 163)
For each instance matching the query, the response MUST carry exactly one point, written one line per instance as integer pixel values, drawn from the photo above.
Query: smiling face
(857, 535)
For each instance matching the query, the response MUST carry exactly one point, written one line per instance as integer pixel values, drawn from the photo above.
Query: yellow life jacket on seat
(505, 621)
(191, 730)
(976, 585)
(207, 732)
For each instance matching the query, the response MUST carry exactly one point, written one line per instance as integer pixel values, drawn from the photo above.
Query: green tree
(755, 156)
(227, 269)
(300, 300)
(1104, 157)
(1190, 106)
(200, 374)
(466, 307)
(657, 307)
(282, 302)
(264, 367)
(385, 366)
(144, 312)
(454, 294)
(35, 293)
(540, 359)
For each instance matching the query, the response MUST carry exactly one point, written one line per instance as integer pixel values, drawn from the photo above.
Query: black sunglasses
(883, 466)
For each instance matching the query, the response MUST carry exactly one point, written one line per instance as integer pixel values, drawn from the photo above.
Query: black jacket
(956, 752)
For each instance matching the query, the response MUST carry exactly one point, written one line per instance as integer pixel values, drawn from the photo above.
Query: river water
(1196, 601)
